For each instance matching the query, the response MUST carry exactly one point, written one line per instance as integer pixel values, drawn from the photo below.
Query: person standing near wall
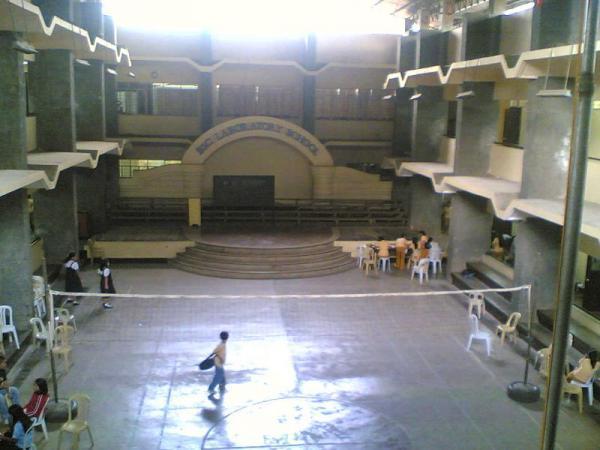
(106, 282)
(220, 353)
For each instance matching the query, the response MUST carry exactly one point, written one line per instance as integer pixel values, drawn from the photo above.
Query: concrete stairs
(264, 263)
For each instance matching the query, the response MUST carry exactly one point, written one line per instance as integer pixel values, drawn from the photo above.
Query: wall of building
(150, 125)
(261, 156)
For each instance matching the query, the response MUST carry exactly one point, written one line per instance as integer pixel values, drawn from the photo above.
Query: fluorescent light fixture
(83, 62)
(388, 97)
(519, 8)
(465, 94)
(131, 74)
(111, 71)
(555, 93)
(415, 96)
(23, 46)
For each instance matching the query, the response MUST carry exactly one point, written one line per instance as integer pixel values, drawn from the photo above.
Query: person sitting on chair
(9, 395)
(18, 431)
(384, 248)
(39, 398)
(585, 368)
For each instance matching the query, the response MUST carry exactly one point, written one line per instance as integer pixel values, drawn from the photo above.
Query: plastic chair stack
(39, 330)
(64, 334)
(7, 326)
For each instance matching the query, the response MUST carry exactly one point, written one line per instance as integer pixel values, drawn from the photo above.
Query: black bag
(208, 363)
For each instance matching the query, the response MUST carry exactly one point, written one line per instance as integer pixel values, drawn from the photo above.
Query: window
(161, 99)
(512, 126)
(354, 104)
(248, 100)
(128, 166)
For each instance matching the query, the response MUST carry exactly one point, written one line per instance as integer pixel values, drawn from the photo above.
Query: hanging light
(416, 96)
(111, 71)
(83, 62)
(564, 92)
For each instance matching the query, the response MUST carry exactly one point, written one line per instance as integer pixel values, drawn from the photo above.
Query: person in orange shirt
(401, 245)
(588, 365)
(384, 248)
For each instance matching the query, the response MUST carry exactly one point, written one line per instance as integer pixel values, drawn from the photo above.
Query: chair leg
(90, 434)
(16, 340)
(44, 429)
(590, 393)
(60, 436)
(75, 444)
(488, 346)
(580, 401)
(469, 343)
(502, 337)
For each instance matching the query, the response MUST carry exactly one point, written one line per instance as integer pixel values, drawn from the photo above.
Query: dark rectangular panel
(237, 190)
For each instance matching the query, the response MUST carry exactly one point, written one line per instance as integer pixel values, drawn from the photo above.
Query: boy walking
(220, 353)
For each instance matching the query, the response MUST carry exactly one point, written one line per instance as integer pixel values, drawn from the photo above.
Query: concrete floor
(356, 373)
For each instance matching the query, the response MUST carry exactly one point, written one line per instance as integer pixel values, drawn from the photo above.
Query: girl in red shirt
(38, 400)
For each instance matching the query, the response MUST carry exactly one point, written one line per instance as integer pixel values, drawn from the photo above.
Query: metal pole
(51, 344)
(529, 327)
(572, 226)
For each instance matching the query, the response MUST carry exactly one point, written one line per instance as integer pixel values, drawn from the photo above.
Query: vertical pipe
(51, 346)
(572, 226)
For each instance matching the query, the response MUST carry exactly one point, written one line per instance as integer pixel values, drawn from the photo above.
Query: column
(15, 238)
(309, 85)
(55, 211)
(425, 207)
(91, 124)
(111, 107)
(205, 84)
(60, 8)
(470, 226)
(537, 257)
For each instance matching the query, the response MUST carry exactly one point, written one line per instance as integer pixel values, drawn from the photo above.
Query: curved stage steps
(264, 263)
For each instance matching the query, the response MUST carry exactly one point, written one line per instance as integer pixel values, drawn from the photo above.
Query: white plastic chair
(39, 307)
(435, 256)
(421, 269)
(28, 440)
(63, 316)
(361, 253)
(7, 326)
(370, 261)
(39, 288)
(39, 330)
(478, 335)
(40, 421)
(589, 385)
(384, 264)
(476, 301)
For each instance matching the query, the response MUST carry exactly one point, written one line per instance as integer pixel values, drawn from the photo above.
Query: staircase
(264, 263)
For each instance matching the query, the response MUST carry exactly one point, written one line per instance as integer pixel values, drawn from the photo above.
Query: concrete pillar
(430, 123)
(402, 142)
(309, 85)
(15, 238)
(425, 207)
(111, 105)
(537, 257)
(476, 130)
(55, 211)
(470, 228)
(483, 37)
(60, 8)
(205, 84)
(547, 142)
(555, 23)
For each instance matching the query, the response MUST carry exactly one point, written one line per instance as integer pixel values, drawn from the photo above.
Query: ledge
(499, 191)
(530, 65)
(24, 17)
(95, 149)
(13, 180)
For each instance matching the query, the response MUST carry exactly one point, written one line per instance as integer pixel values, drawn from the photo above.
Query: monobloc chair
(572, 389)
(39, 307)
(477, 334)
(40, 421)
(39, 330)
(7, 326)
(77, 425)
(589, 385)
(361, 253)
(421, 269)
(28, 440)
(435, 256)
(384, 264)
(370, 261)
(64, 317)
(62, 348)
(39, 288)
(476, 301)
(509, 328)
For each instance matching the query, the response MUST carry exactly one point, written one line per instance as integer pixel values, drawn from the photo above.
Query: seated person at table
(8, 393)
(423, 238)
(38, 399)
(384, 248)
(17, 433)
(585, 369)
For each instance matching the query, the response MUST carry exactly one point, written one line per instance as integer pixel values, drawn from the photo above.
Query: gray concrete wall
(61, 8)
(537, 255)
(55, 211)
(425, 207)
(470, 229)
(430, 123)
(555, 23)
(403, 113)
(91, 195)
(547, 142)
(483, 37)
(476, 129)
(110, 104)
(55, 216)
(15, 235)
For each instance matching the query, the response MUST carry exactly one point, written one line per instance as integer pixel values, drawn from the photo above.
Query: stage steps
(264, 263)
